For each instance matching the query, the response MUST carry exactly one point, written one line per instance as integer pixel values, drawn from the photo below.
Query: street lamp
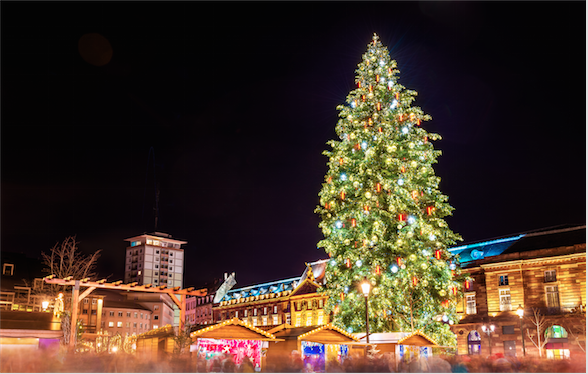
(45, 305)
(521, 313)
(365, 287)
(489, 331)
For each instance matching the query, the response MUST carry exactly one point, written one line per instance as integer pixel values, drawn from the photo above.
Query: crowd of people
(19, 361)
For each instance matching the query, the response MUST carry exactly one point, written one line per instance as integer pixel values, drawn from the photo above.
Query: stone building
(542, 274)
(293, 301)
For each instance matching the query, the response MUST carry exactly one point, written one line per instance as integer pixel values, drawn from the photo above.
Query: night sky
(225, 109)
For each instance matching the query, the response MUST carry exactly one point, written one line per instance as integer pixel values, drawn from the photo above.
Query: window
(288, 319)
(128, 314)
(156, 316)
(170, 269)
(141, 315)
(120, 314)
(245, 313)
(94, 312)
(510, 347)
(550, 276)
(275, 320)
(8, 269)
(474, 340)
(86, 301)
(254, 321)
(505, 299)
(156, 273)
(237, 314)
(264, 319)
(119, 324)
(134, 325)
(150, 241)
(136, 315)
(471, 303)
(503, 280)
(128, 324)
(298, 320)
(552, 296)
(171, 254)
(506, 330)
(171, 261)
(93, 301)
(155, 307)
(155, 326)
(309, 319)
(275, 309)
(111, 324)
(320, 318)
(112, 314)
(157, 252)
(556, 332)
(156, 266)
(254, 311)
(85, 311)
(156, 242)
(140, 325)
(264, 310)
(321, 303)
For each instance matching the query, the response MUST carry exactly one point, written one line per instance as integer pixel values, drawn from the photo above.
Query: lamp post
(365, 287)
(521, 313)
(489, 330)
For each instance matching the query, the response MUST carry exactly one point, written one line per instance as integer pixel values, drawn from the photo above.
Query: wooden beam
(119, 286)
(86, 293)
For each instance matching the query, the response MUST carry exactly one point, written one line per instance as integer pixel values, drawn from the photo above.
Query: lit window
(149, 241)
(471, 304)
(552, 296)
(136, 315)
(156, 242)
(128, 324)
(264, 319)
(155, 326)
(155, 307)
(309, 320)
(265, 310)
(275, 320)
(254, 321)
(254, 311)
(320, 303)
(505, 300)
(119, 324)
(298, 320)
(275, 309)
(110, 324)
(320, 318)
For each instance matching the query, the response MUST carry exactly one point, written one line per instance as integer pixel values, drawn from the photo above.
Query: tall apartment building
(155, 259)
(539, 272)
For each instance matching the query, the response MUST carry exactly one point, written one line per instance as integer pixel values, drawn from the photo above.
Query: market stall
(232, 339)
(317, 345)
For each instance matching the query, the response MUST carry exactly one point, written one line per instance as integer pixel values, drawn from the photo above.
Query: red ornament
(357, 146)
(327, 206)
(399, 261)
(348, 263)
(396, 95)
(467, 284)
(330, 179)
(378, 187)
(430, 210)
(402, 169)
(412, 116)
(378, 270)
(371, 88)
(366, 208)
(341, 161)
(358, 84)
(414, 280)
(454, 289)
(379, 129)
(419, 122)
(379, 106)
(353, 222)
(426, 139)
(402, 217)
(377, 78)
(342, 195)
(342, 296)
(414, 194)
(370, 121)
(438, 254)
(330, 254)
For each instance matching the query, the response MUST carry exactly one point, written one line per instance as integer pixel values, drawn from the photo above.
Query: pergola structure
(77, 297)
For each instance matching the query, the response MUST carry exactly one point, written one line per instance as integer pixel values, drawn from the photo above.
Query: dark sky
(237, 101)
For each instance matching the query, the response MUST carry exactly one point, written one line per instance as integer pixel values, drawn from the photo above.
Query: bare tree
(65, 260)
(540, 322)
(577, 332)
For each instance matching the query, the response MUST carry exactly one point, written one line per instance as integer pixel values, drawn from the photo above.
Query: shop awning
(233, 329)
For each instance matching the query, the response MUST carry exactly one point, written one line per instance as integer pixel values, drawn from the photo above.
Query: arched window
(556, 331)
(474, 340)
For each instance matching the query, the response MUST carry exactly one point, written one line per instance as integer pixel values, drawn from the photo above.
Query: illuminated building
(545, 271)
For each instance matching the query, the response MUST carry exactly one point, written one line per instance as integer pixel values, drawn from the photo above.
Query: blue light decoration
(364, 145)
(338, 224)
(432, 237)
(353, 105)
(394, 102)
(333, 263)
(400, 182)
(358, 263)
(394, 268)
(445, 318)
(411, 220)
(349, 330)
(477, 254)
(346, 289)
(343, 177)
(343, 136)
(312, 348)
(426, 252)
(383, 80)
(405, 130)
(452, 266)
(382, 63)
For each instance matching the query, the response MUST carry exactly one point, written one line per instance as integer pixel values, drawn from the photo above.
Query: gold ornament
(413, 164)
(442, 293)
(411, 145)
(368, 195)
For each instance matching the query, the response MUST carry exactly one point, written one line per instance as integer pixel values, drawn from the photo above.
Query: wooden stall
(156, 342)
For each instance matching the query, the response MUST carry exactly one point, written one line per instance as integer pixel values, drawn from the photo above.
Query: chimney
(225, 276)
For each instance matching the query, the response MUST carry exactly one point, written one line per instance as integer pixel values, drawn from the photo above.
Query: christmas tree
(382, 212)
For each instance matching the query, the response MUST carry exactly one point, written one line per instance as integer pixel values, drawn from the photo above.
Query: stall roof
(233, 329)
(417, 339)
(157, 333)
(325, 334)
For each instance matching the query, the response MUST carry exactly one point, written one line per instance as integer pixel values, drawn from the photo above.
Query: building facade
(155, 259)
(541, 274)
(293, 301)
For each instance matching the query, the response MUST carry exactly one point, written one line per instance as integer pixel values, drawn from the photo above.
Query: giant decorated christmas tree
(383, 214)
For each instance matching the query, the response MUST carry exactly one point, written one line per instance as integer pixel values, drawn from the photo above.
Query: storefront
(234, 340)
(317, 345)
